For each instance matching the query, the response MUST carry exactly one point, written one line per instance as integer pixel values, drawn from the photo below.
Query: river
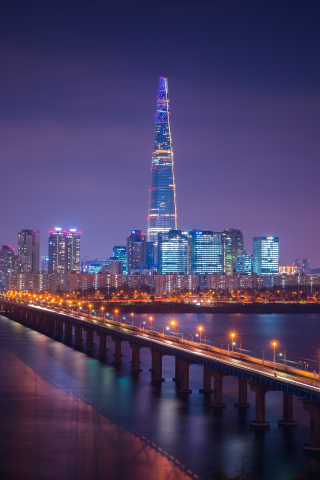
(66, 414)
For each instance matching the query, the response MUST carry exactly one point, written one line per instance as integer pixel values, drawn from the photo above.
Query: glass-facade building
(162, 213)
(266, 255)
(244, 263)
(232, 240)
(173, 252)
(206, 252)
(120, 252)
(64, 251)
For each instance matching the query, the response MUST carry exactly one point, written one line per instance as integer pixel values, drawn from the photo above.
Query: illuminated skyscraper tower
(162, 212)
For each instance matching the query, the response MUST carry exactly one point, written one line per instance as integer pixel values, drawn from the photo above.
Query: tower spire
(162, 212)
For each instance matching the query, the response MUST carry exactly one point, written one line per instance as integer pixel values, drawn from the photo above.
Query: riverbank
(174, 307)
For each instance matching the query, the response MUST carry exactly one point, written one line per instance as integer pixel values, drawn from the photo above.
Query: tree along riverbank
(175, 307)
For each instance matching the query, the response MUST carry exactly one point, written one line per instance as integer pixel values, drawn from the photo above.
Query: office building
(162, 213)
(93, 266)
(72, 250)
(244, 263)
(6, 255)
(206, 252)
(44, 264)
(173, 252)
(296, 263)
(150, 255)
(306, 265)
(120, 252)
(113, 267)
(136, 250)
(64, 251)
(266, 255)
(232, 240)
(29, 246)
(288, 270)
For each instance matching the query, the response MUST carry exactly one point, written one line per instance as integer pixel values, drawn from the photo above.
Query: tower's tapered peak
(162, 212)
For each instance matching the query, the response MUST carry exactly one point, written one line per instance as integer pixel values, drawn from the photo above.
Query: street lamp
(152, 324)
(116, 312)
(173, 323)
(79, 309)
(274, 344)
(90, 306)
(102, 308)
(200, 330)
(233, 336)
(132, 314)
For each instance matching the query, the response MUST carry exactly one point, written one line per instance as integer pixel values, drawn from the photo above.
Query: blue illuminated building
(173, 252)
(162, 213)
(244, 263)
(206, 252)
(120, 252)
(266, 255)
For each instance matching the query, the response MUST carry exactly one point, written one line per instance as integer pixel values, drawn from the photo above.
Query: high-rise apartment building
(206, 252)
(244, 263)
(29, 246)
(173, 252)
(6, 255)
(64, 251)
(265, 255)
(232, 240)
(296, 263)
(162, 212)
(306, 265)
(136, 250)
(73, 250)
(120, 252)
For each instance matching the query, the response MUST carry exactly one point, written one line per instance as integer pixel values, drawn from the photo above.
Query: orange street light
(274, 344)
(116, 312)
(132, 315)
(174, 323)
(152, 323)
(233, 336)
(90, 306)
(200, 330)
(102, 308)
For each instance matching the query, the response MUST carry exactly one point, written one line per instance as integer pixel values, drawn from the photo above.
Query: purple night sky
(78, 90)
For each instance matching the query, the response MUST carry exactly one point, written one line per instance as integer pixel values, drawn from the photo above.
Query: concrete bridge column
(314, 410)
(67, 331)
(41, 322)
(177, 373)
(156, 365)
(103, 344)
(242, 393)
(50, 325)
(287, 410)
(135, 357)
(59, 328)
(184, 372)
(260, 391)
(89, 342)
(206, 380)
(218, 389)
(28, 317)
(117, 353)
(78, 335)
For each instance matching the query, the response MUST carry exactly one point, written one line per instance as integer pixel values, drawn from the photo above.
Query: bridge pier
(78, 335)
(50, 325)
(59, 328)
(89, 339)
(117, 352)
(287, 410)
(135, 357)
(314, 410)
(156, 365)
(242, 393)
(206, 380)
(218, 389)
(184, 372)
(177, 373)
(260, 413)
(41, 322)
(68, 332)
(103, 344)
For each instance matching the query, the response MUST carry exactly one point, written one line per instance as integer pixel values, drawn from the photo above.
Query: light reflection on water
(49, 433)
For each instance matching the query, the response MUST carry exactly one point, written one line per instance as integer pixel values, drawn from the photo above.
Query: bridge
(261, 376)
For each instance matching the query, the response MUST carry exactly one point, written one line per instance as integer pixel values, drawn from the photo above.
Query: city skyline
(78, 119)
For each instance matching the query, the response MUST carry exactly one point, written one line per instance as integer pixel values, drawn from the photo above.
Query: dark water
(64, 414)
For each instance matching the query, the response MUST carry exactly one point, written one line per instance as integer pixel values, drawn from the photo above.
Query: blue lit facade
(120, 252)
(162, 213)
(244, 263)
(266, 255)
(206, 252)
(173, 252)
